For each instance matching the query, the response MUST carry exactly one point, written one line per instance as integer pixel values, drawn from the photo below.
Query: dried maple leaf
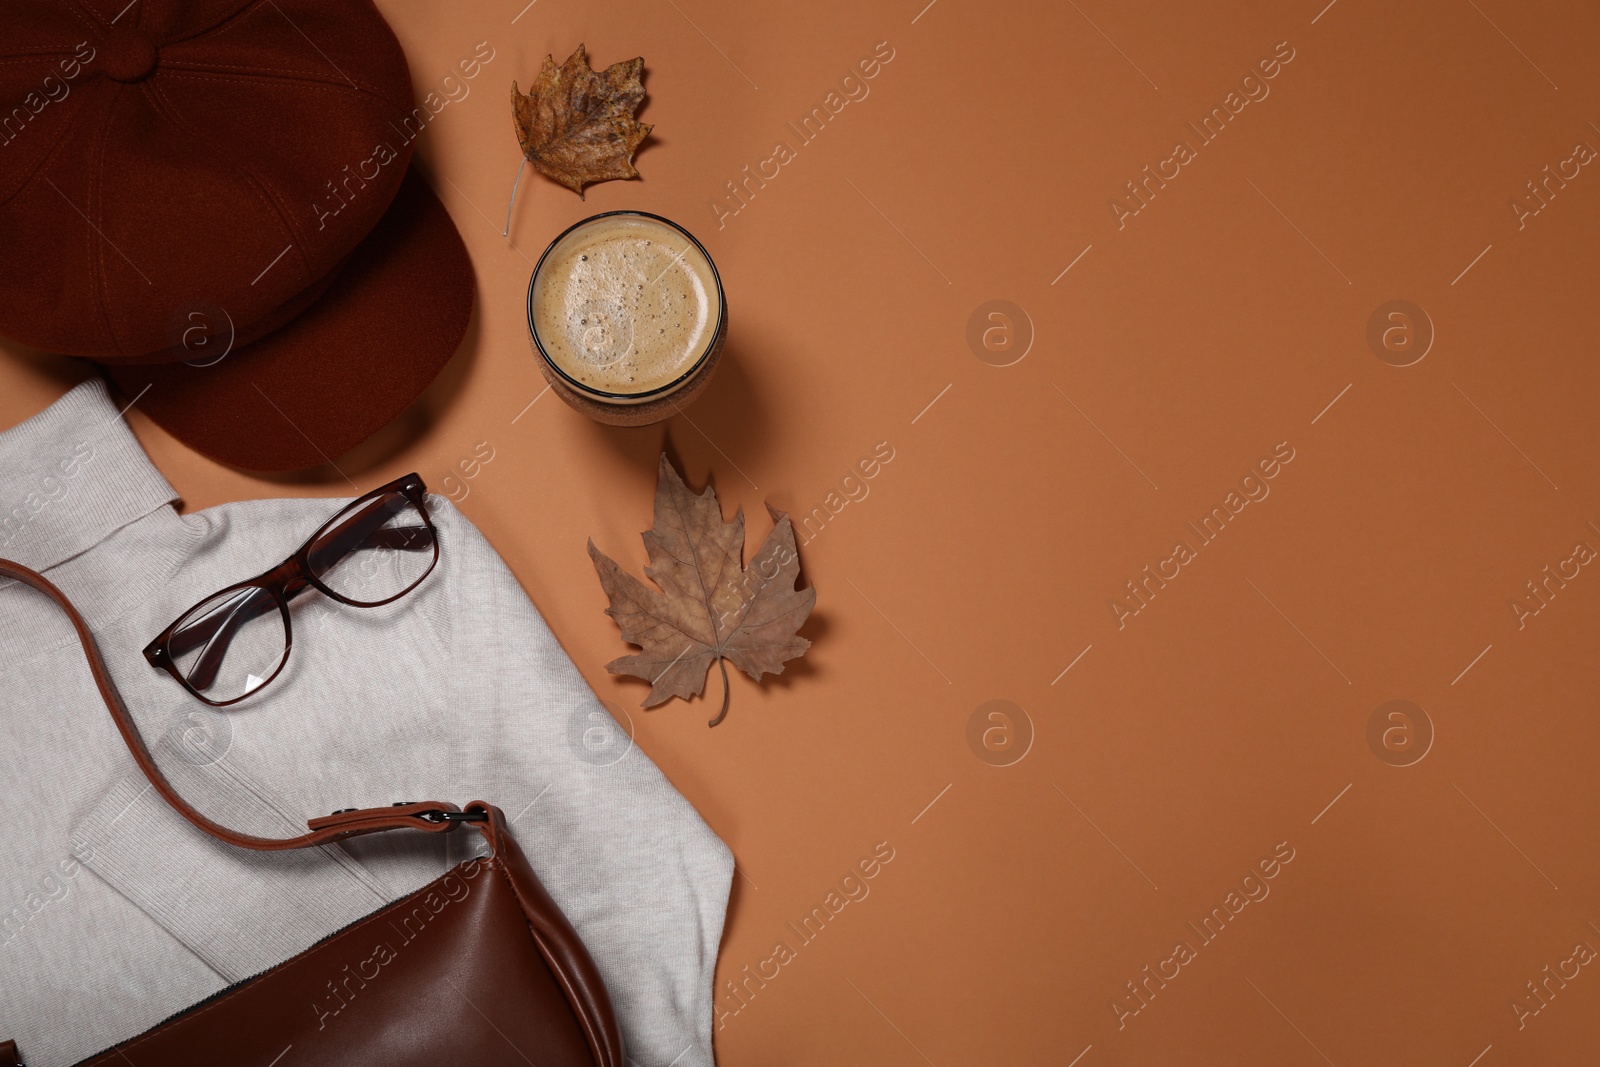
(709, 606)
(576, 126)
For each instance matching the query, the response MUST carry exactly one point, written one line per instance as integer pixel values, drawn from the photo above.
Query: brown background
(1221, 320)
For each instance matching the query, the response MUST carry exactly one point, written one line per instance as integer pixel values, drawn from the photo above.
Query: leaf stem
(723, 714)
(507, 232)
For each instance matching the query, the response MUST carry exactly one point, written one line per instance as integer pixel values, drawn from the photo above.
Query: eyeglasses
(375, 551)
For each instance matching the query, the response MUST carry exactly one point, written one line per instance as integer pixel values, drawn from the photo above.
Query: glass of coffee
(626, 313)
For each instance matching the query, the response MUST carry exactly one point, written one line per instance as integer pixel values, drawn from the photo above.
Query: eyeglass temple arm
(215, 631)
(365, 529)
(205, 629)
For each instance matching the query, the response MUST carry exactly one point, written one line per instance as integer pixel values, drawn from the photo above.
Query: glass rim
(316, 577)
(629, 399)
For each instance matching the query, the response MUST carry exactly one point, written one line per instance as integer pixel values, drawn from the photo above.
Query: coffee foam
(625, 304)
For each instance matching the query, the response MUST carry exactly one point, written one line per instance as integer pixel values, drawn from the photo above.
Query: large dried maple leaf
(576, 126)
(709, 605)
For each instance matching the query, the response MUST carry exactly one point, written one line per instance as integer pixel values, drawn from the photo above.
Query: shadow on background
(727, 417)
(65, 370)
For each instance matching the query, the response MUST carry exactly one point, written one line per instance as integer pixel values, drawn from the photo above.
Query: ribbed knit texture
(115, 913)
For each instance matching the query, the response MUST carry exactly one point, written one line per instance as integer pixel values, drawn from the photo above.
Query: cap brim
(341, 370)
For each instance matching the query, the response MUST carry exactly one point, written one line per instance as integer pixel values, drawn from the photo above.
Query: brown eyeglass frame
(289, 579)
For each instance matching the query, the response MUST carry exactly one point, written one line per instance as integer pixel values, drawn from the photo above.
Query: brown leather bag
(478, 967)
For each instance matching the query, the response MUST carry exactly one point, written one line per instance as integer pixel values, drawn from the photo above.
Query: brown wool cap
(212, 199)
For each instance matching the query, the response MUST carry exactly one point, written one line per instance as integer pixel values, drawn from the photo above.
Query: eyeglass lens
(374, 552)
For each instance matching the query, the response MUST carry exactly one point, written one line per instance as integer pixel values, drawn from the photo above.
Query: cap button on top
(129, 55)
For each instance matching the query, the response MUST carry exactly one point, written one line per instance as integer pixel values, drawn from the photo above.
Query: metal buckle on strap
(440, 815)
(433, 815)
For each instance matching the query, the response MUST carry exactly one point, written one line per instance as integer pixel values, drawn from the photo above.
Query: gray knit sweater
(114, 913)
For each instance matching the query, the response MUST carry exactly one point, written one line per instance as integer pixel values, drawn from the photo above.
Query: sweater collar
(72, 476)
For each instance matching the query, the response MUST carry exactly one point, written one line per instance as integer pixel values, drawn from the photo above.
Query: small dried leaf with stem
(577, 126)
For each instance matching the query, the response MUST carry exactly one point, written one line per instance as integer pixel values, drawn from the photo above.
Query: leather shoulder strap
(427, 816)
